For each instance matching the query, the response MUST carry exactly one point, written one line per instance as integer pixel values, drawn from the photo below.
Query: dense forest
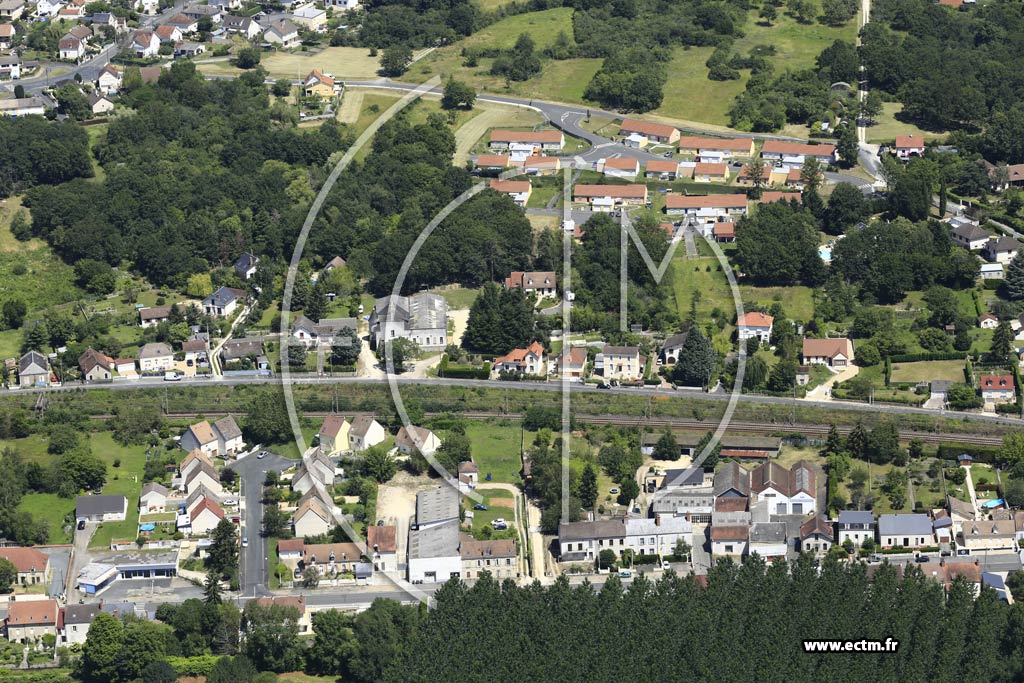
(33, 152)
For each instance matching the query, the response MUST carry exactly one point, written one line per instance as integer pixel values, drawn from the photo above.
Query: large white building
(422, 318)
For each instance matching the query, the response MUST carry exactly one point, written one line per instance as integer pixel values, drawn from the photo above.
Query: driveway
(79, 557)
(253, 560)
(823, 392)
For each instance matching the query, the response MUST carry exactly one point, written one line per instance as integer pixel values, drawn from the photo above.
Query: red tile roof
(704, 168)
(754, 319)
(621, 164)
(25, 559)
(493, 160)
(510, 186)
(647, 128)
(778, 196)
(382, 538)
(718, 201)
(716, 144)
(32, 613)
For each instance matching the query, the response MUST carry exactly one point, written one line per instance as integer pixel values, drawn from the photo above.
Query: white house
(10, 66)
(282, 33)
(997, 388)
(145, 44)
(365, 433)
(796, 153)
(1001, 250)
(584, 541)
(199, 436)
(658, 535)
(229, 436)
(417, 439)
(204, 517)
(434, 555)
(755, 324)
(243, 26)
(518, 190)
(311, 519)
(223, 302)
(833, 352)
(619, 167)
(730, 540)
(245, 265)
(542, 283)
(908, 146)
(422, 317)
(153, 498)
(988, 321)
(109, 80)
(100, 103)
(77, 619)
(706, 208)
(156, 357)
(785, 491)
(382, 548)
(103, 508)
(969, 235)
(855, 526)
(816, 536)
(905, 531)
(621, 362)
(528, 361)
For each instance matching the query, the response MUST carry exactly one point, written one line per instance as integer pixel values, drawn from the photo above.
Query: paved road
(253, 559)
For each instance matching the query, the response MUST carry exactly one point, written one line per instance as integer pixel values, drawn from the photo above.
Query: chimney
(657, 520)
(687, 516)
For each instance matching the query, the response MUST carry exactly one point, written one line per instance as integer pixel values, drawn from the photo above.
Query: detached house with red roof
(528, 361)
(145, 44)
(169, 33)
(705, 172)
(518, 190)
(654, 132)
(204, 517)
(707, 207)
(619, 167)
(835, 353)
(755, 324)
(607, 197)
(997, 388)
(909, 146)
(381, 548)
(716, 149)
(318, 85)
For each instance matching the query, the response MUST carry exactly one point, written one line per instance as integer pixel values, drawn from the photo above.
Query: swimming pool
(825, 253)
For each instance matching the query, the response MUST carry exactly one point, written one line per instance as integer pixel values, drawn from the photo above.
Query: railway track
(678, 424)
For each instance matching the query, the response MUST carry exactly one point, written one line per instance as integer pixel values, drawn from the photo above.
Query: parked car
(81, 524)
(603, 385)
(231, 501)
(245, 542)
(614, 490)
(922, 559)
(172, 377)
(262, 454)
(665, 565)
(480, 506)
(625, 573)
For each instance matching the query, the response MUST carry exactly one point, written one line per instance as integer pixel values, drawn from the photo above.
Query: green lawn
(888, 127)
(499, 505)
(458, 297)
(797, 301)
(125, 479)
(704, 276)
(952, 370)
(495, 447)
(57, 512)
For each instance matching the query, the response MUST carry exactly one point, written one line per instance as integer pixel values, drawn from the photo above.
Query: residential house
(909, 146)
(755, 324)
(153, 498)
(493, 162)
(770, 540)
(654, 132)
(997, 388)
(10, 66)
(661, 169)
(584, 541)
(542, 283)
(156, 357)
(344, 5)
(382, 548)
(333, 435)
(195, 498)
(572, 363)
(23, 106)
(245, 265)
(786, 492)
(796, 153)
(988, 535)
(203, 475)
(833, 352)
(197, 351)
(154, 315)
(291, 550)
(76, 620)
(415, 439)
(317, 84)
(991, 271)
(310, 16)
(169, 33)
(988, 321)
(211, 11)
(243, 26)
(223, 302)
(315, 470)
(184, 23)
(33, 370)
(7, 35)
(70, 12)
(686, 492)
(145, 44)
(722, 148)
(330, 559)
(199, 436)
(528, 361)
(547, 140)
(772, 196)
(672, 347)
(422, 317)
(468, 473)
(619, 167)
(724, 231)
(100, 19)
(518, 190)
(606, 198)
(498, 557)
(237, 350)
(433, 551)
(32, 565)
(229, 436)
(323, 332)
(101, 508)
(95, 366)
(706, 208)
(816, 536)
(365, 433)
(196, 457)
(732, 540)
(1001, 250)
(541, 165)
(189, 50)
(109, 80)
(29, 620)
(795, 179)
(48, 8)
(282, 33)
(855, 526)
(72, 45)
(908, 531)
(970, 236)
(705, 172)
(100, 104)
(11, 10)
(125, 367)
(204, 517)
(311, 519)
(621, 362)
(770, 175)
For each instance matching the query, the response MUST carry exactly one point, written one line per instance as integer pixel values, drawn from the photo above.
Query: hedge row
(947, 451)
(201, 665)
(936, 355)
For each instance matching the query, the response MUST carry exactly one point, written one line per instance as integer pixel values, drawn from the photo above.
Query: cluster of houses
(331, 560)
(996, 250)
(32, 618)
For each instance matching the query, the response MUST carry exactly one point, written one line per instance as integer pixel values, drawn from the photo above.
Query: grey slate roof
(437, 504)
(856, 517)
(81, 614)
(601, 528)
(228, 428)
(768, 532)
(904, 525)
(436, 541)
(732, 476)
(99, 505)
(33, 362)
(686, 476)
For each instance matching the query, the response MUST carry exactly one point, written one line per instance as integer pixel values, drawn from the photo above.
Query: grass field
(458, 297)
(495, 447)
(797, 302)
(484, 118)
(499, 505)
(57, 512)
(491, 5)
(952, 370)
(887, 127)
(351, 106)
(342, 62)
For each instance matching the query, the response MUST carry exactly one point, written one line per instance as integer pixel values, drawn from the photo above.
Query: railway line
(658, 423)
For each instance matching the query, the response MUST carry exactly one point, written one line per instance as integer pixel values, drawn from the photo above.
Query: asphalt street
(253, 559)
